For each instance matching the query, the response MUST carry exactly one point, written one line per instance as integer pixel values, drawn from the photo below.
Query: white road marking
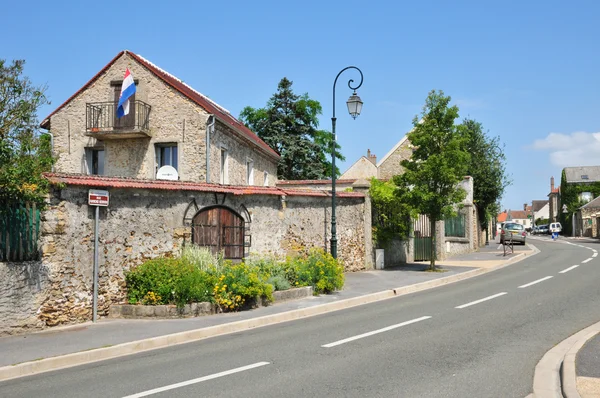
(198, 380)
(594, 250)
(595, 254)
(534, 282)
(587, 260)
(568, 269)
(499, 247)
(360, 336)
(481, 301)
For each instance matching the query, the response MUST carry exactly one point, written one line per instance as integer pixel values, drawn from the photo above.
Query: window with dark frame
(166, 155)
(95, 161)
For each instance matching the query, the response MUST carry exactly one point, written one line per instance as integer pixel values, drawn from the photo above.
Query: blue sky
(528, 71)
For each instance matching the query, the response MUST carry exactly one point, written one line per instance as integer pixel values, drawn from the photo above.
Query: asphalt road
(478, 338)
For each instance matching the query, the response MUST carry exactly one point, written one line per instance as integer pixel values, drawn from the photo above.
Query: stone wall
(23, 288)
(141, 224)
(239, 152)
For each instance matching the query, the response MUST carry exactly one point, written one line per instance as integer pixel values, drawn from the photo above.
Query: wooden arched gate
(220, 229)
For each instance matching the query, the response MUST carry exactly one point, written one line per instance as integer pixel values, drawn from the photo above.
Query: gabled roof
(362, 159)
(518, 214)
(539, 204)
(582, 174)
(121, 182)
(502, 216)
(204, 102)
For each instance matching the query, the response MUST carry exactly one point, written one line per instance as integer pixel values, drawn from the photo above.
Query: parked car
(555, 227)
(542, 229)
(513, 231)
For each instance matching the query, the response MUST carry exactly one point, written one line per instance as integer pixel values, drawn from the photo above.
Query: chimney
(525, 206)
(551, 184)
(372, 158)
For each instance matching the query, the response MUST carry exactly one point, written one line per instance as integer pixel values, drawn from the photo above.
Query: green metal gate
(422, 238)
(19, 232)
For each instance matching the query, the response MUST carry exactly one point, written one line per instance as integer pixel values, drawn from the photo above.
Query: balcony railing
(102, 120)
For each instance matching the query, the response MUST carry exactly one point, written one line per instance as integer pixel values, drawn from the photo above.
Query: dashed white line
(198, 380)
(568, 269)
(587, 260)
(481, 300)
(534, 282)
(360, 336)
(595, 254)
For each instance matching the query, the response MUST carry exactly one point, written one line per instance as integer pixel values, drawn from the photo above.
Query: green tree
(487, 167)
(289, 124)
(23, 154)
(438, 164)
(391, 217)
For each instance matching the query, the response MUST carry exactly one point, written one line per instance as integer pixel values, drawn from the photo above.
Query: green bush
(170, 281)
(317, 269)
(201, 257)
(238, 284)
(279, 282)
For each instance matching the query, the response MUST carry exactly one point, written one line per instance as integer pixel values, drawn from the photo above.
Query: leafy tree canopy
(391, 217)
(438, 164)
(487, 166)
(289, 124)
(23, 154)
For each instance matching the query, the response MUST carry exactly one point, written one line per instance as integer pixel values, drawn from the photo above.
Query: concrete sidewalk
(62, 347)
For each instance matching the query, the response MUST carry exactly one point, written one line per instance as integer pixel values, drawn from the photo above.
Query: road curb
(555, 373)
(153, 343)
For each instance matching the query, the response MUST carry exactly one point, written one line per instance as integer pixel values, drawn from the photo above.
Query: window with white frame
(224, 166)
(266, 179)
(166, 155)
(95, 160)
(249, 171)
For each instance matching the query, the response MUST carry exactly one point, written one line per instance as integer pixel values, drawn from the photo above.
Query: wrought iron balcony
(102, 121)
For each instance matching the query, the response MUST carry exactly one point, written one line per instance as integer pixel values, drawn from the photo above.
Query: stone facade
(362, 169)
(389, 165)
(174, 119)
(141, 224)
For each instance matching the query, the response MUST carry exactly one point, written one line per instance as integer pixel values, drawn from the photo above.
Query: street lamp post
(354, 107)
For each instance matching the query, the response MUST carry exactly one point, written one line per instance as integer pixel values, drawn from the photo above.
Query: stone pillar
(363, 186)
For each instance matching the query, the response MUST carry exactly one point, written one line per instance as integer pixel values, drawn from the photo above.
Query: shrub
(239, 283)
(319, 270)
(268, 266)
(279, 282)
(201, 257)
(168, 281)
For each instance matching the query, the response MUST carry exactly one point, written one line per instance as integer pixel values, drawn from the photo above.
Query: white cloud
(575, 149)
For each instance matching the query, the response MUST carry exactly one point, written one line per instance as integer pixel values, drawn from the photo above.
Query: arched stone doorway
(220, 229)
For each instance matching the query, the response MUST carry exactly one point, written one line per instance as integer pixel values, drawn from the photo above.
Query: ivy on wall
(569, 195)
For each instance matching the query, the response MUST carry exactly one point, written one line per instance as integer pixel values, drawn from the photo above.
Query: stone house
(223, 195)
(586, 221)
(169, 124)
(585, 180)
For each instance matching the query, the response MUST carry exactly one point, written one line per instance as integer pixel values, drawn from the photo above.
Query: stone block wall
(141, 224)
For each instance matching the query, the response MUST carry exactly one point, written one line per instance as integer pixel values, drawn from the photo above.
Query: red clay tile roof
(120, 182)
(502, 216)
(519, 214)
(313, 182)
(208, 105)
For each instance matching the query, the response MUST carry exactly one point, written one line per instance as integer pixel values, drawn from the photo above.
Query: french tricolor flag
(127, 91)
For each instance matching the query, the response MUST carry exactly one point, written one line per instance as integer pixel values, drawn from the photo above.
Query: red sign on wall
(97, 197)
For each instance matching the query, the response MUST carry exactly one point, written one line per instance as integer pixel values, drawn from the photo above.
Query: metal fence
(455, 226)
(19, 232)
